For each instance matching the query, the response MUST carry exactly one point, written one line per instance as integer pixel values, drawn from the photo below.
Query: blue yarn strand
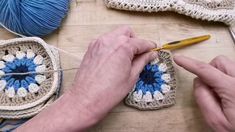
(33, 17)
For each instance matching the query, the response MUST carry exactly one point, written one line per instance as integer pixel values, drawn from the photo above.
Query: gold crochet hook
(183, 43)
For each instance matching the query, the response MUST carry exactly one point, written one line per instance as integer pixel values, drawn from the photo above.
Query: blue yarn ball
(33, 17)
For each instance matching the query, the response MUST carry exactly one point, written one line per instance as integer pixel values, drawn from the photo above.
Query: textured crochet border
(56, 77)
(226, 15)
(26, 113)
(169, 98)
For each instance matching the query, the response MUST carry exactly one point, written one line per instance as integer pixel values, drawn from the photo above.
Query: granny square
(25, 95)
(211, 10)
(156, 86)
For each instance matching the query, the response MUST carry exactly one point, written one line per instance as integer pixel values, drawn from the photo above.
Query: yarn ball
(33, 17)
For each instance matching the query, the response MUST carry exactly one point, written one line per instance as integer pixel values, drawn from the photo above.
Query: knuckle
(203, 66)
(125, 50)
(123, 39)
(95, 42)
(91, 45)
(219, 59)
(126, 28)
(100, 40)
(103, 40)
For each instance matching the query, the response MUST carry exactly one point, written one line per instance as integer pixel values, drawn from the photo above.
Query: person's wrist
(82, 108)
(69, 113)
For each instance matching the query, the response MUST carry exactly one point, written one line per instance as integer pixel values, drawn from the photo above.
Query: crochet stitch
(156, 85)
(25, 95)
(20, 63)
(211, 10)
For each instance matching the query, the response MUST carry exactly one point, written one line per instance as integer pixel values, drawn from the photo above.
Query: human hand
(109, 70)
(214, 90)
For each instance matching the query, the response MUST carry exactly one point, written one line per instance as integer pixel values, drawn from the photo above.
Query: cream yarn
(156, 86)
(27, 95)
(211, 10)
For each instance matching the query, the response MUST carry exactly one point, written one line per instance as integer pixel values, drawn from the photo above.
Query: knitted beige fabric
(211, 10)
(27, 94)
(156, 87)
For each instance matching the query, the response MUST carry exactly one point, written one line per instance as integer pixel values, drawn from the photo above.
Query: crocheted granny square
(25, 95)
(211, 10)
(156, 86)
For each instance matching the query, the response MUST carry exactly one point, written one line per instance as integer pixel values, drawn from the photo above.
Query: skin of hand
(214, 90)
(108, 72)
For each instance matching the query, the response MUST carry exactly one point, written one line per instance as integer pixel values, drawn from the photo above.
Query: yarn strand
(12, 31)
(48, 71)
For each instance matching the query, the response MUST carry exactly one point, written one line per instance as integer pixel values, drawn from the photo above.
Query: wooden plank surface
(88, 19)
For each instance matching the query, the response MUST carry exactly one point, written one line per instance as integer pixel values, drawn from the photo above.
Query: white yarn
(3, 84)
(40, 68)
(166, 77)
(33, 88)
(2, 64)
(38, 60)
(162, 67)
(20, 54)
(30, 54)
(137, 96)
(155, 61)
(23, 110)
(158, 95)
(148, 97)
(165, 88)
(22, 92)
(211, 10)
(2, 73)
(10, 92)
(40, 78)
(8, 58)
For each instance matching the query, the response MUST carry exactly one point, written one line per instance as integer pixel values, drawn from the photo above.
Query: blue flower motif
(21, 62)
(152, 83)
(19, 66)
(150, 79)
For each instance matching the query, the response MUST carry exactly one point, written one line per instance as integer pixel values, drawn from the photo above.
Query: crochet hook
(183, 43)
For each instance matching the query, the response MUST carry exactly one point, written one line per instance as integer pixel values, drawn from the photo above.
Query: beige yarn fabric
(168, 98)
(211, 10)
(32, 103)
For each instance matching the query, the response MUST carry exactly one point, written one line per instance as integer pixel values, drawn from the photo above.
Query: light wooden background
(88, 19)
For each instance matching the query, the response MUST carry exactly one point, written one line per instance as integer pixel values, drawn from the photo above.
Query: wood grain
(88, 19)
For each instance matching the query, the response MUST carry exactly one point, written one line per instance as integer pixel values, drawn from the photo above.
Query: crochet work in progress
(211, 10)
(156, 86)
(24, 95)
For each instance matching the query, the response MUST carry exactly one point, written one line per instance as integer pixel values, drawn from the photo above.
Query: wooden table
(88, 19)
